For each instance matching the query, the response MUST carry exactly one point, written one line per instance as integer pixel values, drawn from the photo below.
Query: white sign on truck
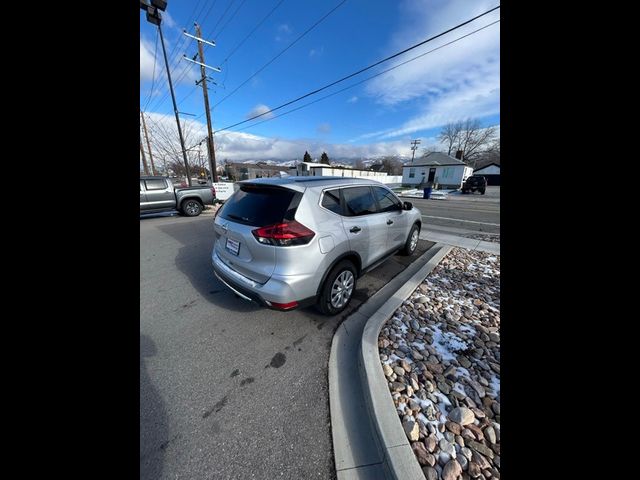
(223, 190)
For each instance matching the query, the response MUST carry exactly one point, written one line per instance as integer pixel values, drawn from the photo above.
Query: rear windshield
(260, 206)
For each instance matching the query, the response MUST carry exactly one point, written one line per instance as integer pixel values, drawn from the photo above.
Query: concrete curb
(463, 242)
(398, 455)
(357, 451)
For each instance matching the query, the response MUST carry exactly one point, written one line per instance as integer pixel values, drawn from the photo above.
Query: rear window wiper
(236, 217)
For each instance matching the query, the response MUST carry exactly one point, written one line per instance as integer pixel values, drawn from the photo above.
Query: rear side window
(331, 201)
(359, 201)
(387, 200)
(157, 184)
(260, 206)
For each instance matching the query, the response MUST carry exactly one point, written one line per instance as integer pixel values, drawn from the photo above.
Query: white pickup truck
(157, 194)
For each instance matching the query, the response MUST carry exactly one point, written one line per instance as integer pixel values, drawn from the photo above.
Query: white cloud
(353, 99)
(238, 146)
(284, 30)
(458, 81)
(316, 51)
(168, 20)
(324, 128)
(146, 60)
(259, 110)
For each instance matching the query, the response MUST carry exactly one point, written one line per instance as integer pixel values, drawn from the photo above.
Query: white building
(324, 170)
(436, 168)
(491, 172)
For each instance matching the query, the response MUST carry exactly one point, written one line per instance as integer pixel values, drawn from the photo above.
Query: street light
(154, 17)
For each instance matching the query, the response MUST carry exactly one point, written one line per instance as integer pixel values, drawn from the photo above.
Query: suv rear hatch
(253, 206)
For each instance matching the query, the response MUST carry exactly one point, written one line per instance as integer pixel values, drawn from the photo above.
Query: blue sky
(377, 117)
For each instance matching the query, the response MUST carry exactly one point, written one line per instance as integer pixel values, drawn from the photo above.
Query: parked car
(158, 194)
(473, 183)
(297, 241)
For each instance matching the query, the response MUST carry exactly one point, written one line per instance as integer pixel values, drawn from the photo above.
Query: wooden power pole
(205, 92)
(144, 159)
(146, 136)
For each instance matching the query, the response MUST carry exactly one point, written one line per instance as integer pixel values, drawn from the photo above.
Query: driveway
(229, 389)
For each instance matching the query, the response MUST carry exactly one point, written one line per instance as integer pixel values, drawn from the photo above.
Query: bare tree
(167, 145)
(392, 165)
(468, 137)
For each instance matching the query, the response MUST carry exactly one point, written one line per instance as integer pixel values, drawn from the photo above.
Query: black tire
(410, 246)
(464, 191)
(324, 304)
(482, 191)
(191, 207)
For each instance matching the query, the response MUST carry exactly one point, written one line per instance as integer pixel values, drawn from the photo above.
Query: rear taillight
(283, 306)
(284, 234)
(213, 191)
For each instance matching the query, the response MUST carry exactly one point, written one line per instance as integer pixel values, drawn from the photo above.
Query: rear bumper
(275, 290)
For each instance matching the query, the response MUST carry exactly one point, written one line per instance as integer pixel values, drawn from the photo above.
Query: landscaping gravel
(441, 356)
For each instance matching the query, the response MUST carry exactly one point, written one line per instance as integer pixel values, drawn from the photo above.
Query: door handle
(389, 222)
(355, 229)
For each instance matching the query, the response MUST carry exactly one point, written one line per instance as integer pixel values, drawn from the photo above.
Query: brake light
(213, 191)
(284, 234)
(283, 306)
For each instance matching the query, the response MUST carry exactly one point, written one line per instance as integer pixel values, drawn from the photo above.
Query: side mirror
(407, 205)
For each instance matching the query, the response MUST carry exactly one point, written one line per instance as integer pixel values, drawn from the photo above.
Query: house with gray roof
(436, 168)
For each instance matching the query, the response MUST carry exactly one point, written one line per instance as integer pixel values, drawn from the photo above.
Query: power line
(230, 18)
(236, 48)
(361, 81)
(279, 54)
(153, 76)
(182, 41)
(220, 19)
(361, 70)
(252, 31)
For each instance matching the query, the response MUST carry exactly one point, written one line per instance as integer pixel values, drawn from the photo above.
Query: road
(229, 389)
(462, 213)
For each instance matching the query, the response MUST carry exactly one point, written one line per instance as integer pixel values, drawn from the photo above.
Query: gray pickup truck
(157, 194)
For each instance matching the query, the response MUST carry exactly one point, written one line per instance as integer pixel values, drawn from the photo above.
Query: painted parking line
(460, 220)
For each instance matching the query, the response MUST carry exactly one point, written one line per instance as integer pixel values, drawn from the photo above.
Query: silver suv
(297, 241)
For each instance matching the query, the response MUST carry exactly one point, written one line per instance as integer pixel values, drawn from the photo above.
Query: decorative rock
(399, 370)
(490, 433)
(387, 370)
(462, 460)
(430, 459)
(451, 470)
(411, 428)
(466, 452)
(430, 473)
(397, 386)
(443, 458)
(430, 442)
(405, 365)
(453, 427)
(450, 437)
(464, 361)
(421, 299)
(444, 387)
(462, 416)
(420, 452)
(447, 447)
(409, 391)
(480, 460)
(474, 470)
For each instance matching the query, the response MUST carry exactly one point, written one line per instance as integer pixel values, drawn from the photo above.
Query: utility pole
(146, 136)
(205, 92)
(144, 159)
(153, 16)
(414, 147)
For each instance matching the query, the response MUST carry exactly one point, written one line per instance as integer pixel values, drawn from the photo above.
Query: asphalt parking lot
(229, 389)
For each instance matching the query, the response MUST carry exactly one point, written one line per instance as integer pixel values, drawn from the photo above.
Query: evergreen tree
(324, 158)
(307, 157)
